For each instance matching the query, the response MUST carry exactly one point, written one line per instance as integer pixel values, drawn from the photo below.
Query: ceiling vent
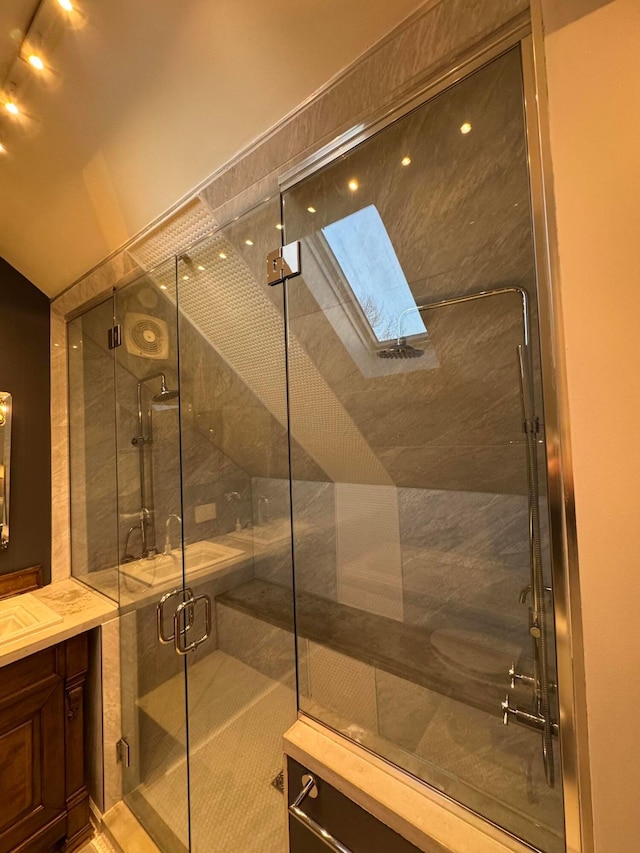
(146, 336)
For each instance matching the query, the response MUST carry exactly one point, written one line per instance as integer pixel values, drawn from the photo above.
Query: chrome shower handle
(190, 606)
(187, 596)
(310, 789)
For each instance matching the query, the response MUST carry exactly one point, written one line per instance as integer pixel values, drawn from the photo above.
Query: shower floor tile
(238, 717)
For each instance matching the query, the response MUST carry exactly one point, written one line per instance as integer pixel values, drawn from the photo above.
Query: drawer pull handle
(310, 788)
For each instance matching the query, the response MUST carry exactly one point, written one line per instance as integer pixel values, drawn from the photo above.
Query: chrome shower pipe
(472, 297)
(541, 679)
(538, 616)
(147, 531)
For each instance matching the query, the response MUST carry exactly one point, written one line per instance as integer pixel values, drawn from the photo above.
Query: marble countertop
(80, 608)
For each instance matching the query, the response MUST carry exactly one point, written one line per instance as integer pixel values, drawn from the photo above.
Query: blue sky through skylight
(362, 247)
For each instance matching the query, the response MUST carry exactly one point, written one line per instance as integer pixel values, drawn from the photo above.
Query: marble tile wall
(315, 534)
(114, 271)
(94, 547)
(493, 768)
(465, 560)
(266, 648)
(459, 222)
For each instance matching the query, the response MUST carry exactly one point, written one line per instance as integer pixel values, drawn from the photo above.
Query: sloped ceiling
(140, 102)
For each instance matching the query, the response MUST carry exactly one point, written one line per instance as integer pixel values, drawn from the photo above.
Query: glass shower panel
(92, 446)
(235, 481)
(151, 566)
(417, 431)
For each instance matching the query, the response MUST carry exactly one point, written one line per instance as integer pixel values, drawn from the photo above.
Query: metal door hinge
(283, 263)
(123, 752)
(115, 336)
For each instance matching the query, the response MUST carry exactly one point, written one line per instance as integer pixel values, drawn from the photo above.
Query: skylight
(362, 247)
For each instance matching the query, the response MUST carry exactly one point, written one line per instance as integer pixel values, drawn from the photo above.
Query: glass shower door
(420, 543)
(157, 623)
(235, 483)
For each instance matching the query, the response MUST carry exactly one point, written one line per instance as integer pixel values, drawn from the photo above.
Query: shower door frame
(527, 34)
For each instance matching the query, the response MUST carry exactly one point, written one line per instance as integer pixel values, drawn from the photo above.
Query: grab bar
(309, 788)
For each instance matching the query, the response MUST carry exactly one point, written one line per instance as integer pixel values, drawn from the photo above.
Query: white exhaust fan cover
(146, 336)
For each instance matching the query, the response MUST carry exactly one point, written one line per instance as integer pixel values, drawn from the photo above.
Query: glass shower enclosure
(359, 452)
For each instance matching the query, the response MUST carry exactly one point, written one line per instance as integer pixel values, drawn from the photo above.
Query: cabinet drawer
(355, 828)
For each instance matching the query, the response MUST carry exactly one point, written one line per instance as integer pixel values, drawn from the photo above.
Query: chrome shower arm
(472, 297)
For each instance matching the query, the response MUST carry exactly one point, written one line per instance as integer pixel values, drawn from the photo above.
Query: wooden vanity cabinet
(44, 805)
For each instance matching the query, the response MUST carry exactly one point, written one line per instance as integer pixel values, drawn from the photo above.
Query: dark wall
(24, 372)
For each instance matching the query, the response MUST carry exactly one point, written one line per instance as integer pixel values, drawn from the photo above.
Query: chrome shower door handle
(187, 595)
(190, 606)
(309, 788)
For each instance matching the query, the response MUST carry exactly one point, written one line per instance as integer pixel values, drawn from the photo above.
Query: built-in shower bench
(398, 648)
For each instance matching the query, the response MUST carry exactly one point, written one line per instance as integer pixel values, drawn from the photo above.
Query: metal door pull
(187, 597)
(310, 788)
(190, 607)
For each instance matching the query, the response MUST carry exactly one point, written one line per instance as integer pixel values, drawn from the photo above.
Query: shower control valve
(507, 710)
(516, 676)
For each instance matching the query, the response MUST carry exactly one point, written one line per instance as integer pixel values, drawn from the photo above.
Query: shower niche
(326, 498)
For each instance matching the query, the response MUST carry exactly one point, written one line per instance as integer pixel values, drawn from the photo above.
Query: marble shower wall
(94, 546)
(465, 558)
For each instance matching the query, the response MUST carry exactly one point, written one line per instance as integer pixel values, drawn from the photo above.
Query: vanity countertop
(80, 608)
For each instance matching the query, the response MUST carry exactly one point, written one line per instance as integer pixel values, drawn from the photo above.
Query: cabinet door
(32, 779)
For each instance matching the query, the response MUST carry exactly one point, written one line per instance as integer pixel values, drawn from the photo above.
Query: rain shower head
(165, 396)
(401, 349)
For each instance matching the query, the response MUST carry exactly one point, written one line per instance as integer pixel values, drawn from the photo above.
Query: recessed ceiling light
(406, 161)
(223, 256)
(201, 268)
(185, 278)
(279, 226)
(248, 242)
(2, 148)
(67, 5)
(353, 185)
(35, 61)
(163, 287)
(311, 209)
(11, 107)
(466, 127)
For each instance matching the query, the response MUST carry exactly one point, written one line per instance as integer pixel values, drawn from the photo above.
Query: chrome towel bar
(309, 788)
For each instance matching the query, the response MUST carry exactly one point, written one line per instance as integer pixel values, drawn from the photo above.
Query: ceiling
(140, 102)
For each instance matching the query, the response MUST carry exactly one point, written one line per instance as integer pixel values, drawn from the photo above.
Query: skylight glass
(362, 247)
